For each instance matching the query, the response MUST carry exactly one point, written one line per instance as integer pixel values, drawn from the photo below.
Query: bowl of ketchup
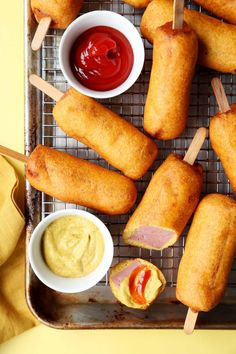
(101, 54)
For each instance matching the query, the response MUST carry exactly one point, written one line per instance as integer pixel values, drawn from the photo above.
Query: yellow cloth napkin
(15, 316)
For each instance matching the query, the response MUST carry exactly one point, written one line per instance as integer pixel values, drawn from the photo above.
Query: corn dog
(223, 132)
(62, 12)
(137, 3)
(223, 140)
(168, 203)
(174, 58)
(225, 9)
(89, 122)
(217, 40)
(208, 256)
(73, 180)
(116, 140)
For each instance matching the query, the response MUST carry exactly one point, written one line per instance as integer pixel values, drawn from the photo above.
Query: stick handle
(178, 14)
(45, 87)
(41, 32)
(190, 321)
(220, 95)
(195, 145)
(11, 153)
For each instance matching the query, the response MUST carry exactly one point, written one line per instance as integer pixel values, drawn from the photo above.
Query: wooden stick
(220, 95)
(195, 145)
(45, 87)
(190, 157)
(11, 153)
(41, 32)
(190, 321)
(178, 14)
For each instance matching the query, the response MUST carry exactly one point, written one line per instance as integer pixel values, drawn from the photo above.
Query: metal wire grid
(130, 105)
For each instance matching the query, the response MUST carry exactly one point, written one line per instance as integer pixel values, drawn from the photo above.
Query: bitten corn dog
(54, 14)
(169, 201)
(116, 140)
(223, 133)
(136, 283)
(221, 8)
(208, 256)
(174, 58)
(73, 180)
(217, 40)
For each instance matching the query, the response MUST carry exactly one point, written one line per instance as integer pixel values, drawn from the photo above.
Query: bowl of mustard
(70, 250)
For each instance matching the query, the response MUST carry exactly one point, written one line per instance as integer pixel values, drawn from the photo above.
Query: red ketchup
(101, 58)
(137, 288)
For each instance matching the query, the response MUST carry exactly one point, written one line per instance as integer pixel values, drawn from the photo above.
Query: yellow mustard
(151, 289)
(73, 246)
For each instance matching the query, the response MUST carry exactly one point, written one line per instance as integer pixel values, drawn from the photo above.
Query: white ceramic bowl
(101, 18)
(56, 282)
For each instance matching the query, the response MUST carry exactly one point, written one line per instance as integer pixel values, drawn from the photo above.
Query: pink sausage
(151, 236)
(120, 276)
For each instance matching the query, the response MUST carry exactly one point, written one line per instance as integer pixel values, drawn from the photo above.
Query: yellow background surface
(46, 340)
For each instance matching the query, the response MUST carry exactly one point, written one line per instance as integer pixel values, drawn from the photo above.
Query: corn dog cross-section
(73, 180)
(136, 283)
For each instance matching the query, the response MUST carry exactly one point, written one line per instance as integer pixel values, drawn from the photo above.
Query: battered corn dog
(137, 3)
(208, 256)
(223, 140)
(73, 180)
(61, 12)
(174, 58)
(116, 140)
(167, 205)
(223, 129)
(217, 40)
(221, 8)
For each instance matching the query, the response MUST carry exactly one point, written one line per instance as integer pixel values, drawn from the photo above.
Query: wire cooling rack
(130, 105)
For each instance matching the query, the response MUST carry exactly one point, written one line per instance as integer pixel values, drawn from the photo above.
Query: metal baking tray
(97, 308)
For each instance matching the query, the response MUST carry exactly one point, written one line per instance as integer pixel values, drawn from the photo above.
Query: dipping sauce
(101, 58)
(73, 246)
